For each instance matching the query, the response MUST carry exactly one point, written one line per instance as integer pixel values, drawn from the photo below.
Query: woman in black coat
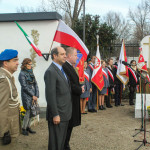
(29, 92)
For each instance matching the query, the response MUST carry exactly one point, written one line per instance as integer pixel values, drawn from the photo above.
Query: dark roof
(36, 16)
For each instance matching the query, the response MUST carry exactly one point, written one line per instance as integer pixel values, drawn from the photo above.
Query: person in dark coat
(117, 85)
(133, 81)
(29, 93)
(58, 97)
(101, 94)
(92, 99)
(111, 82)
(87, 87)
(77, 90)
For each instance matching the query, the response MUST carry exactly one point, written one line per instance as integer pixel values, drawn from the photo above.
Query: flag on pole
(97, 76)
(65, 35)
(141, 62)
(30, 41)
(122, 70)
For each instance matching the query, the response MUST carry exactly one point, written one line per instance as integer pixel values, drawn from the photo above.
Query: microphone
(125, 63)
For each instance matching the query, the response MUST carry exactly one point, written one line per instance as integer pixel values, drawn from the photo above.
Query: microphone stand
(144, 142)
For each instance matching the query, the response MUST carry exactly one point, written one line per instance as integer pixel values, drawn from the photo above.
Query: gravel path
(111, 129)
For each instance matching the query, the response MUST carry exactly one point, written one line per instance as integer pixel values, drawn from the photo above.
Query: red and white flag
(141, 62)
(97, 76)
(122, 70)
(65, 35)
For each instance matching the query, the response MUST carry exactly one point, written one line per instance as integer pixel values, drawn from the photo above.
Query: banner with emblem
(97, 76)
(141, 62)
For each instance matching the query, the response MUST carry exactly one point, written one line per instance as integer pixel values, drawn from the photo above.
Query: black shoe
(132, 104)
(100, 107)
(121, 104)
(116, 105)
(67, 147)
(31, 131)
(90, 110)
(25, 132)
(94, 110)
(103, 107)
(109, 106)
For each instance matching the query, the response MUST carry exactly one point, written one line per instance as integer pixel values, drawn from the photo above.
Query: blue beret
(8, 54)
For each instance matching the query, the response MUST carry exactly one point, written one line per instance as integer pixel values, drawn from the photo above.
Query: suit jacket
(76, 92)
(58, 94)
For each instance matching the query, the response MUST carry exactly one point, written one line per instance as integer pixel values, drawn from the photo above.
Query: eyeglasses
(29, 64)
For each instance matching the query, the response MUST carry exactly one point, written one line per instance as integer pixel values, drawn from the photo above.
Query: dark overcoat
(76, 91)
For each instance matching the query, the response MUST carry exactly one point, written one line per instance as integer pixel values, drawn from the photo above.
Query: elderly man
(58, 97)
(77, 90)
(9, 102)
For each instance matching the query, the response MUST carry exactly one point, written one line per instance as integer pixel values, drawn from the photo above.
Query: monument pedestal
(138, 105)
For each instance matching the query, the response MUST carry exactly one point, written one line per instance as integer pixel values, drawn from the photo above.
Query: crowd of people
(112, 85)
(66, 98)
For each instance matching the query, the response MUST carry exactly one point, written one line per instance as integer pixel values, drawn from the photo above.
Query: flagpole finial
(46, 56)
(97, 36)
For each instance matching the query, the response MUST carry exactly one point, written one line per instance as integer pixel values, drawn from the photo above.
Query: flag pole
(100, 60)
(97, 100)
(140, 84)
(46, 55)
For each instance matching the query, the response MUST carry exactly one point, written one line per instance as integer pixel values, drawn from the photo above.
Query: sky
(99, 7)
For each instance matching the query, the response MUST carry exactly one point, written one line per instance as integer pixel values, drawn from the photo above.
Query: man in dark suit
(77, 90)
(58, 97)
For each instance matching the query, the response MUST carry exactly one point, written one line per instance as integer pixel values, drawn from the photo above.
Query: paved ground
(111, 129)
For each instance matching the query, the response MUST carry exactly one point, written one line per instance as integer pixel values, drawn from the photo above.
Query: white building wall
(11, 37)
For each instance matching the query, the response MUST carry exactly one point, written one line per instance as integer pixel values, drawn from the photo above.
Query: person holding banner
(92, 99)
(111, 82)
(133, 81)
(117, 84)
(87, 88)
(102, 93)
